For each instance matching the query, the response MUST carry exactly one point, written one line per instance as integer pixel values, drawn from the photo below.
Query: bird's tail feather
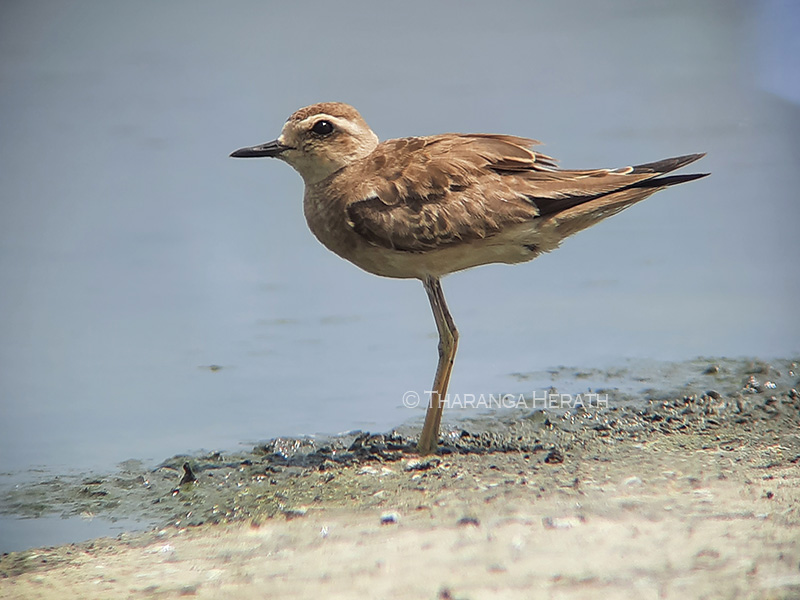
(662, 182)
(668, 164)
(582, 216)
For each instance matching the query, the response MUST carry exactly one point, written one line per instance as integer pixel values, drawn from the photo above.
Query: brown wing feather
(418, 194)
(423, 193)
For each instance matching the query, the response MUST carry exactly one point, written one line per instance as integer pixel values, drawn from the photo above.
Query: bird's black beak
(270, 149)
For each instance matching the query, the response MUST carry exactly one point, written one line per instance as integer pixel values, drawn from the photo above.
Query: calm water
(134, 254)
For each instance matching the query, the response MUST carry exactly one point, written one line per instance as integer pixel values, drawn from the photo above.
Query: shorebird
(424, 207)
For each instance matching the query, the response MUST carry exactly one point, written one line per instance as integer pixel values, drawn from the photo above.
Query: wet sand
(688, 492)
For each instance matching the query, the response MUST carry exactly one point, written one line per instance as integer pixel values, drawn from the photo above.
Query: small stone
(293, 513)
(561, 522)
(390, 518)
(422, 464)
(188, 475)
(554, 457)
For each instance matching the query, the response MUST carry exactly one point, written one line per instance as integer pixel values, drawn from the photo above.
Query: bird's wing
(417, 194)
(423, 193)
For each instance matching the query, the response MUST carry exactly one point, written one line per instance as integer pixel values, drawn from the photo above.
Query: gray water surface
(134, 255)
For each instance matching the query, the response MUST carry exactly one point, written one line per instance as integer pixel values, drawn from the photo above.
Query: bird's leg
(448, 343)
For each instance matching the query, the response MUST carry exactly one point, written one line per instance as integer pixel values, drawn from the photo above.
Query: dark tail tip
(668, 164)
(659, 182)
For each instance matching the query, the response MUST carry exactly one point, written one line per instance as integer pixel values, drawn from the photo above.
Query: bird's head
(318, 140)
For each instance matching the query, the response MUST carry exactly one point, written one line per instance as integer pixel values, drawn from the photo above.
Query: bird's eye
(322, 127)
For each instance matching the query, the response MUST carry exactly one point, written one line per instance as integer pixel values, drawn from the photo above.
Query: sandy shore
(705, 506)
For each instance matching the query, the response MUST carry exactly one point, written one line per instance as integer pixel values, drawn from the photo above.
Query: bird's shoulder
(421, 193)
(453, 158)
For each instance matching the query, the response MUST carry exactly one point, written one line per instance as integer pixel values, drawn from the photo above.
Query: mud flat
(688, 489)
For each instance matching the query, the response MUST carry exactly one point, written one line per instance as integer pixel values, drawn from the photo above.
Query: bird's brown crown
(334, 109)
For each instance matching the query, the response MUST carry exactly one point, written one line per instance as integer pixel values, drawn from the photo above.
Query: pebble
(390, 518)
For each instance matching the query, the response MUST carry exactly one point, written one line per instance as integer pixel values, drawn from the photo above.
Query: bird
(425, 207)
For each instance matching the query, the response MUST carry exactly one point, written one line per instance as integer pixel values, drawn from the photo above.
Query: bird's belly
(438, 262)
(516, 244)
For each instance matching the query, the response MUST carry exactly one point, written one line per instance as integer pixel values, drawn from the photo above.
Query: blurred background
(135, 255)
